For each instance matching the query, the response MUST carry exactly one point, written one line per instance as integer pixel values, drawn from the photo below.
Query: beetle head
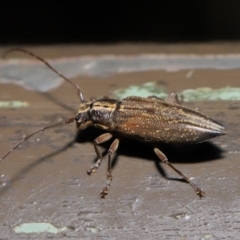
(83, 118)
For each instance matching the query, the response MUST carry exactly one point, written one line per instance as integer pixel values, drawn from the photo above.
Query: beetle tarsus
(200, 193)
(105, 190)
(104, 193)
(94, 167)
(198, 190)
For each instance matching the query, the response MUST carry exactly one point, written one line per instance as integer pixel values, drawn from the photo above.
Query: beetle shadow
(176, 153)
(57, 102)
(33, 165)
(128, 147)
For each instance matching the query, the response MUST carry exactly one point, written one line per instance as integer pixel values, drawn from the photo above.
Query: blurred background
(31, 22)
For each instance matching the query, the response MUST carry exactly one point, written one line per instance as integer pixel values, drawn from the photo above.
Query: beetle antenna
(79, 91)
(68, 120)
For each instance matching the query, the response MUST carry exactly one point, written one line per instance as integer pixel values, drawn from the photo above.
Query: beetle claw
(200, 193)
(104, 193)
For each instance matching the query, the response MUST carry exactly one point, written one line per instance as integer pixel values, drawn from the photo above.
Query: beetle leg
(112, 149)
(164, 159)
(101, 139)
(173, 98)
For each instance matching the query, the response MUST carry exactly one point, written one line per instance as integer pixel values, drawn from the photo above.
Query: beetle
(149, 119)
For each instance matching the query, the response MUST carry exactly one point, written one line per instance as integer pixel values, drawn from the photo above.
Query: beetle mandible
(145, 119)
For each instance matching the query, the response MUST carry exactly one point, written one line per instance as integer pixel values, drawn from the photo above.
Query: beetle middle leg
(112, 149)
(164, 159)
(101, 139)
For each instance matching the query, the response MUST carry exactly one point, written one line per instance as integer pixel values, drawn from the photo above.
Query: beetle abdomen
(155, 120)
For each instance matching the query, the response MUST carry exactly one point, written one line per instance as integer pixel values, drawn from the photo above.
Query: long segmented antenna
(69, 120)
(79, 91)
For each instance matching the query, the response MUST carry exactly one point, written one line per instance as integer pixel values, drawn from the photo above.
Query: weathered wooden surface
(46, 181)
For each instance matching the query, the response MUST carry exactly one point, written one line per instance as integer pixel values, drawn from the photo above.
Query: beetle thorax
(98, 113)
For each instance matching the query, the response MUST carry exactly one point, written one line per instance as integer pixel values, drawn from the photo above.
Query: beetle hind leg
(173, 98)
(101, 139)
(112, 149)
(164, 159)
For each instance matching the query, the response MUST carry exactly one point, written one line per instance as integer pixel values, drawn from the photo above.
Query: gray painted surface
(36, 76)
(45, 181)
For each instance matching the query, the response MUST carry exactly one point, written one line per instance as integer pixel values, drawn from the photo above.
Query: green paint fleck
(209, 94)
(13, 104)
(189, 95)
(38, 228)
(145, 90)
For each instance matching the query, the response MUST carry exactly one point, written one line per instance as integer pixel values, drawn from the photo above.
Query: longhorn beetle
(145, 119)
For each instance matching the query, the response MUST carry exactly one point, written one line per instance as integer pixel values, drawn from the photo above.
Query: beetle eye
(79, 118)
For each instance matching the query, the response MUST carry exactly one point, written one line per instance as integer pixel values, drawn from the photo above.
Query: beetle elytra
(149, 119)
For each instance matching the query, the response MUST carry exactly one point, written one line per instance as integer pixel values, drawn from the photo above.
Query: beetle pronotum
(145, 119)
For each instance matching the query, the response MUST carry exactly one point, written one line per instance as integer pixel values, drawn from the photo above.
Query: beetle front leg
(101, 139)
(112, 149)
(164, 159)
